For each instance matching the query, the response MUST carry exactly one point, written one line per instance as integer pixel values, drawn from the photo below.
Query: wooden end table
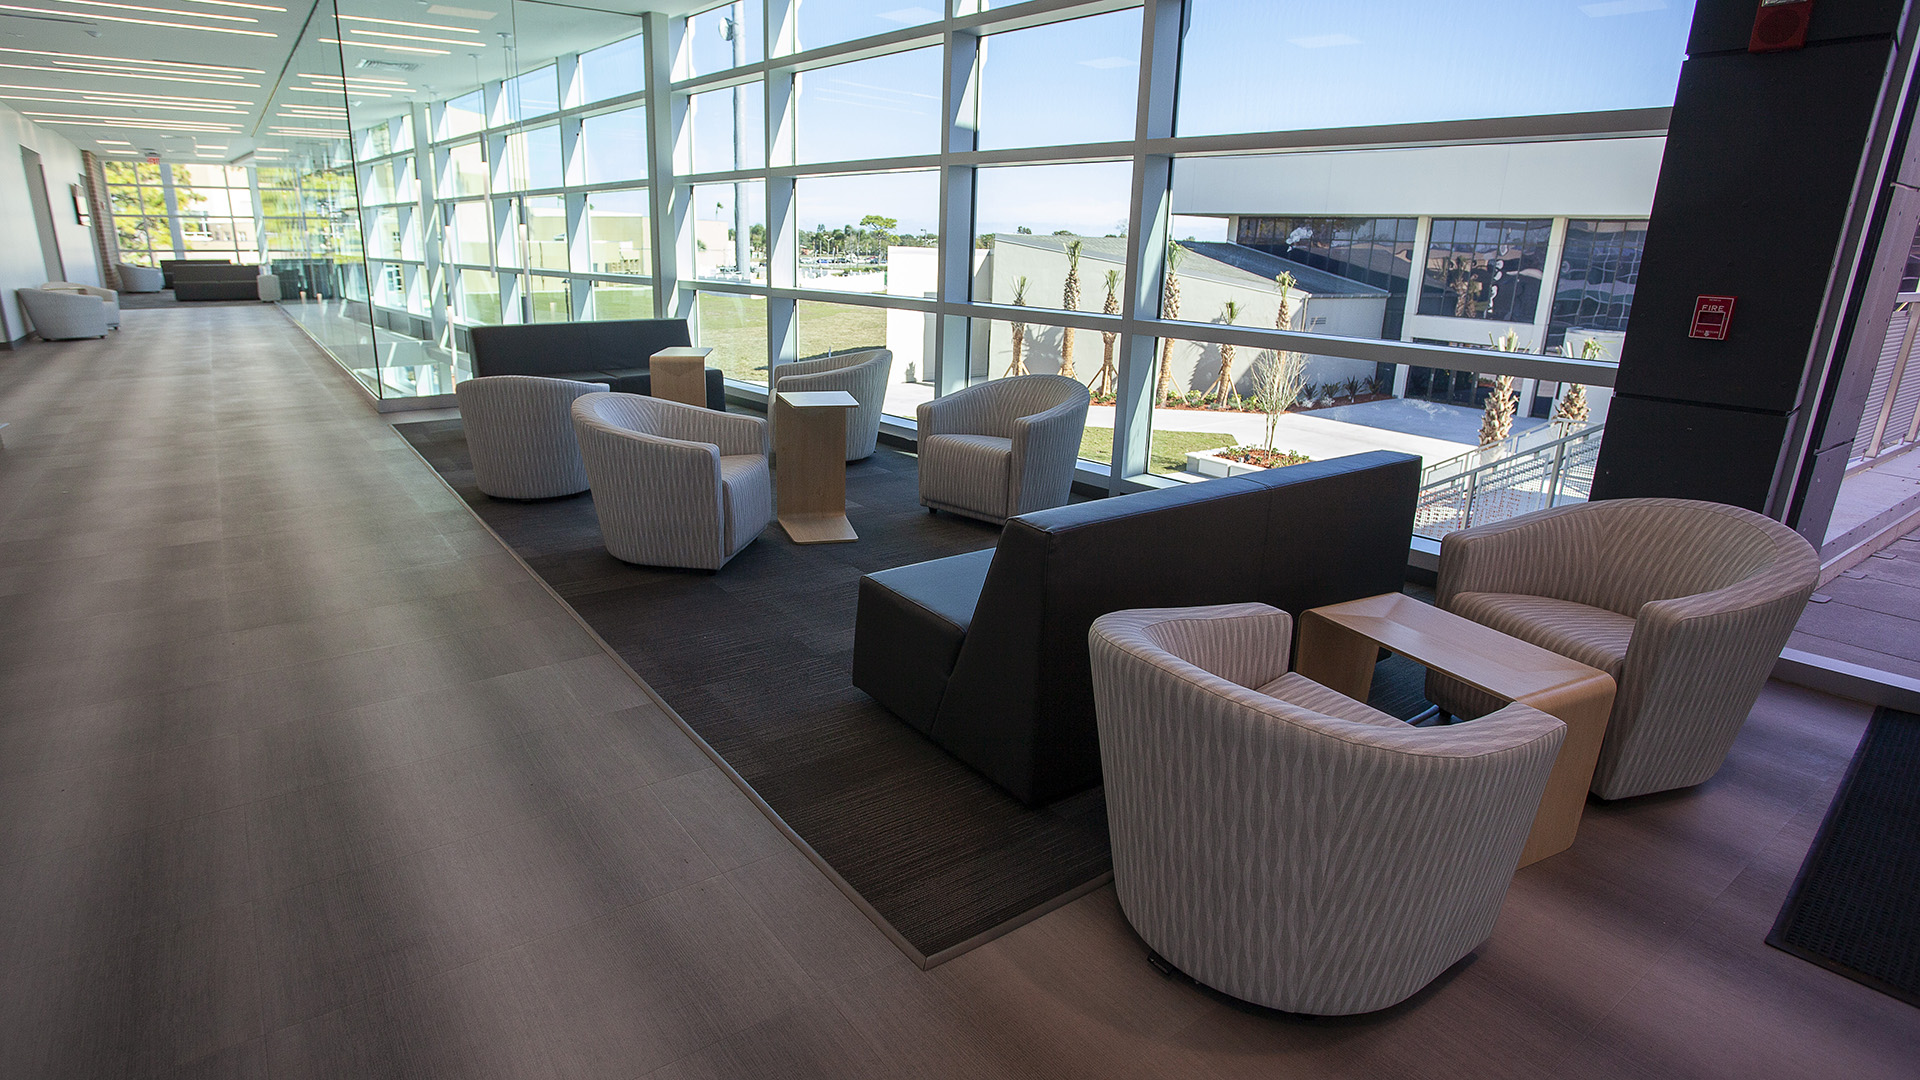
(680, 374)
(810, 456)
(1339, 645)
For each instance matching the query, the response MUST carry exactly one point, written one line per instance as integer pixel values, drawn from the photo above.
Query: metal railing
(1507, 480)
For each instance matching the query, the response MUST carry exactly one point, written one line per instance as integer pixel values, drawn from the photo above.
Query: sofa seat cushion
(746, 491)
(973, 471)
(1297, 689)
(910, 625)
(1594, 636)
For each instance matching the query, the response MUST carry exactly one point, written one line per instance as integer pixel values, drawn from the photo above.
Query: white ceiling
(213, 80)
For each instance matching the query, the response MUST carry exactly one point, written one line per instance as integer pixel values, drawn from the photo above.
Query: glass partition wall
(1085, 188)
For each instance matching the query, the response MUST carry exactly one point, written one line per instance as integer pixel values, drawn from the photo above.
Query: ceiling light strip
(403, 22)
(135, 60)
(131, 75)
(162, 11)
(139, 22)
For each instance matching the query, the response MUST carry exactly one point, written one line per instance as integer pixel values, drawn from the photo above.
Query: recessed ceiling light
(163, 11)
(415, 37)
(460, 12)
(125, 60)
(392, 48)
(132, 75)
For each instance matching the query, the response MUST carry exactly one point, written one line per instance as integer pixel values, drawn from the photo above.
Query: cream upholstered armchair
(673, 484)
(106, 296)
(1686, 604)
(140, 278)
(1002, 448)
(61, 316)
(862, 374)
(1285, 844)
(520, 433)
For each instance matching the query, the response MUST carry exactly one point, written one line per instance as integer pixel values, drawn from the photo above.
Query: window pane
(1331, 406)
(531, 160)
(825, 329)
(713, 115)
(614, 147)
(472, 233)
(465, 173)
(1341, 257)
(619, 300)
(1029, 215)
(712, 44)
(827, 22)
(549, 300)
(478, 299)
(888, 106)
(461, 116)
(1598, 269)
(1086, 70)
(383, 234)
(1485, 269)
(536, 93)
(545, 229)
(402, 131)
(1343, 64)
(619, 240)
(735, 328)
(511, 250)
(613, 70)
(851, 226)
(723, 213)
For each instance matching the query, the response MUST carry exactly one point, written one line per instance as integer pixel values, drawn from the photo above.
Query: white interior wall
(1598, 178)
(21, 266)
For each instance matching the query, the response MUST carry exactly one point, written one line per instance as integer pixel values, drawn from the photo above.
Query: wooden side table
(680, 374)
(810, 462)
(1340, 643)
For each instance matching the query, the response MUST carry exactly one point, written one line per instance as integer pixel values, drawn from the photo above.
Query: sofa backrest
(1295, 538)
(195, 272)
(557, 348)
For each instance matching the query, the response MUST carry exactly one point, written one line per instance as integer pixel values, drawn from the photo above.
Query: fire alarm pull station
(1780, 25)
(1711, 317)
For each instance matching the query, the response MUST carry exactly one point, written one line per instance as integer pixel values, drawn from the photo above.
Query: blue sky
(1247, 65)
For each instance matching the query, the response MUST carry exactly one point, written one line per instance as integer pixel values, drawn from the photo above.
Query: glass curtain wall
(815, 177)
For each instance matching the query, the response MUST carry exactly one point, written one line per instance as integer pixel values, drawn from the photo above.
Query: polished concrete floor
(302, 776)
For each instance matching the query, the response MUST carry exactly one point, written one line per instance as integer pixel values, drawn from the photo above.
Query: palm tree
(1019, 365)
(1222, 389)
(1169, 309)
(1104, 383)
(1496, 422)
(1070, 299)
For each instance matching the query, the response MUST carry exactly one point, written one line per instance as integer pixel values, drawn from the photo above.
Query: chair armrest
(733, 433)
(1246, 644)
(1044, 444)
(1516, 556)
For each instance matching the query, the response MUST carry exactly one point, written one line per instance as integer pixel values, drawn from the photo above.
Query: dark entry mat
(1855, 908)
(758, 658)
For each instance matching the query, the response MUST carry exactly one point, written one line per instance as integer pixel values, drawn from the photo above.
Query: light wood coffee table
(810, 462)
(1340, 643)
(680, 374)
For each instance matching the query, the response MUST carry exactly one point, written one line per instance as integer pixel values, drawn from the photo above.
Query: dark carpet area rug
(1855, 908)
(757, 659)
(165, 299)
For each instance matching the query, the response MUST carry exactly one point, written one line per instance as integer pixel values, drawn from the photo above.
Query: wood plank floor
(302, 776)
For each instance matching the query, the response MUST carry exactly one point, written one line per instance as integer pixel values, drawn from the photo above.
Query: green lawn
(735, 328)
(836, 328)
(1168, 452)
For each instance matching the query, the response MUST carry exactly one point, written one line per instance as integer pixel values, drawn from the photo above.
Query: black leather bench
(616, 353)
(198, 280)
(986, 653)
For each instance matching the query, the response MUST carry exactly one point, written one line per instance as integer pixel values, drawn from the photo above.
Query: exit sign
(1711, 317)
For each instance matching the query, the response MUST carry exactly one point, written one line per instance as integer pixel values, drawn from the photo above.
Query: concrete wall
(21, 266)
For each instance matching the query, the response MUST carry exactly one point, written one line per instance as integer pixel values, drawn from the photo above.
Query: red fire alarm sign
(1711, 317)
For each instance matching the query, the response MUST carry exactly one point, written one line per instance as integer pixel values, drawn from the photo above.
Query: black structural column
(1773, 185)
